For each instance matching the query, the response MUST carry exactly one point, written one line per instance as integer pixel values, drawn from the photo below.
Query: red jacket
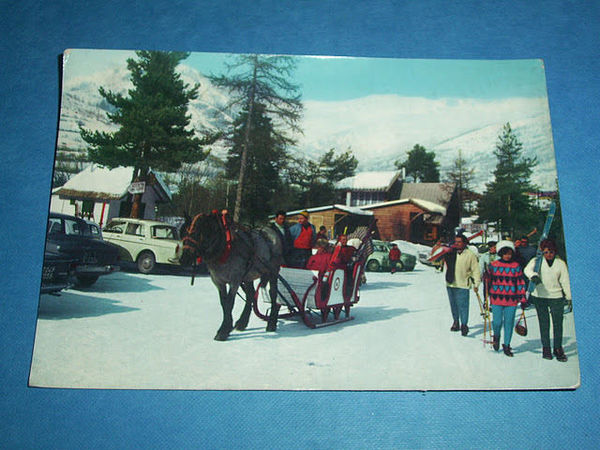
(305, 239)
(394, 254)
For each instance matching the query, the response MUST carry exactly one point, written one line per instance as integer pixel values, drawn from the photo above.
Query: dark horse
(235, 256)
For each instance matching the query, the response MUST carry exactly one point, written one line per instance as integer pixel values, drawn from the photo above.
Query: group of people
(507, 269)
(301, 238)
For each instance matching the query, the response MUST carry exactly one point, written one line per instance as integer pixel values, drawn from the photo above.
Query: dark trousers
(546, 307)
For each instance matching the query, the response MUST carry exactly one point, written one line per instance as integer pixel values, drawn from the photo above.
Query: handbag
(521, 330)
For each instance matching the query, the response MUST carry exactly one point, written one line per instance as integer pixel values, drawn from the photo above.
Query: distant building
(425, 213)
(100, 194)
(366, 188)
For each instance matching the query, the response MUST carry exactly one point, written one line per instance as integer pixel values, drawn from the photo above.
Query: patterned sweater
(507, 285)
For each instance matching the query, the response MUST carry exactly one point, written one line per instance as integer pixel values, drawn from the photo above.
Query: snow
(348, 209)
(100, 179)
(156, 332)
(368, 180)
(110, 182)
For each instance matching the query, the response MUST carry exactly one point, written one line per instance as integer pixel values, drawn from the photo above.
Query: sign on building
(137, 187)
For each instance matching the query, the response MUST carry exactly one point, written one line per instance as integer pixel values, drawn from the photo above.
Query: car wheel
(146, 262)
(373, 265)
(86, 280)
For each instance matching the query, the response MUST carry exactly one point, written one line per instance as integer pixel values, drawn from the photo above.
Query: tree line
(261, 171)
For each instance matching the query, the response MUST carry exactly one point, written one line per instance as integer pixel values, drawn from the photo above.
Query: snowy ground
(136, 331)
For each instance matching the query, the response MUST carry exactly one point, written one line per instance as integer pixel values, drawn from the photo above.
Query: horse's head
(201, 239)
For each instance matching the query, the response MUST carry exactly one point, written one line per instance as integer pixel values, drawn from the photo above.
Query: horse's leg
(242, 322)
(226, 299)
(272, 322)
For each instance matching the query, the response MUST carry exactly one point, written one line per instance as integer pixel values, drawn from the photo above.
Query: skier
(394, 257)
(505, 290)
(552, 286)
(462, 273)
(488, 257)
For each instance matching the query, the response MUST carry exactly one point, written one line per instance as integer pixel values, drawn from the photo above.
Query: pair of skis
(538, 255)
(484, 308)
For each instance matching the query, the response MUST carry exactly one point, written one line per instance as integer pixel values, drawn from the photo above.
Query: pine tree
(505, 200)
(264, 80)
(420, 165)
(264, 164)
(462, 177)
(317, 179)
(154, 124)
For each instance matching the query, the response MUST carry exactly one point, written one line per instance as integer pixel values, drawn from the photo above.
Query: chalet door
(417, 227)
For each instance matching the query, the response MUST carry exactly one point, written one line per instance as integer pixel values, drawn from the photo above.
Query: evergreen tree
(317, 179)
(420, 165)
(264, 80)
(462, 177)
(264, 164)
(505, 200)
(153, 121)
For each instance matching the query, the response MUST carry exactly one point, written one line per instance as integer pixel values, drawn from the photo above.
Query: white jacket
(555, 280)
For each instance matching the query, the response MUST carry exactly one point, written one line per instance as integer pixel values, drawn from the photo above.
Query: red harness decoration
(228, 238)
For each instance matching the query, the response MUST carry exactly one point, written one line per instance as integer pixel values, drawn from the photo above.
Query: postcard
(280, 222)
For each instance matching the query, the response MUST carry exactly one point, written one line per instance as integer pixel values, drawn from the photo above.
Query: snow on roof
(348, 209)
(423, 204)
(369, 181)
(103, 183)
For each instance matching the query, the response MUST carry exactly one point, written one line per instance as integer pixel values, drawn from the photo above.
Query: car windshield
(70, 227)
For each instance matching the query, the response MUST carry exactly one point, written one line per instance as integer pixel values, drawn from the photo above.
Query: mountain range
(378, 129)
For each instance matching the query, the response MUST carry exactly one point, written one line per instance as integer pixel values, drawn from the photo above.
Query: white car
(145, 242)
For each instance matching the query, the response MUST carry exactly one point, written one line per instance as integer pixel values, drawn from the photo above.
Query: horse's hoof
(221, 337)
(241, 326)
(271, 328)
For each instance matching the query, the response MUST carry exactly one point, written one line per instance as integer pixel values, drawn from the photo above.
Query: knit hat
(504, 244)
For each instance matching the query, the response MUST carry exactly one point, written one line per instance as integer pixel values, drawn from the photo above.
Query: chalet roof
(369, 181)
(100, 183)
(436, 193)
(344, 208)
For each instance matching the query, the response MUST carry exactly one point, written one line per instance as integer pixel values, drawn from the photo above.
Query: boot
(507, 350)
(455, 326)
(560, 354)
(546, 353)
(464, 330)
(496, 343)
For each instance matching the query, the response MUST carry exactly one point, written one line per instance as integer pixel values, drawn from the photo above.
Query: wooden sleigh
(319, 298)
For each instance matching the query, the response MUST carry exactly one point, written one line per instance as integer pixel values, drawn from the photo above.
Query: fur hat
(504, 244)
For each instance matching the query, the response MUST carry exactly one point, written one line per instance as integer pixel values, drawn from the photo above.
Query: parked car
(71, 237)
(379, 260)
(145, 242)
(58, 273)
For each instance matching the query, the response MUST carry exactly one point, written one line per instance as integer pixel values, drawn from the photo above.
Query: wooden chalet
(100, 194)
(336, 218)
(424, 213)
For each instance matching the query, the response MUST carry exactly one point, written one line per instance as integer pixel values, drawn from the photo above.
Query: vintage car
(145, 242)
(379, 260)
(58, 273)
(71, 237)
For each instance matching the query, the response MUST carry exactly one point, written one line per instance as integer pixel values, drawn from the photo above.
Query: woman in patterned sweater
(506, 290)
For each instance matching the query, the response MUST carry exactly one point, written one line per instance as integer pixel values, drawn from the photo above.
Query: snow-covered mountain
(379, 129)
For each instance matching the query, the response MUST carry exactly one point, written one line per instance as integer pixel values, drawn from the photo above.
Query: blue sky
(341, 78)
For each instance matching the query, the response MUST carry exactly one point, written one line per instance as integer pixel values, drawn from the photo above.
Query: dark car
(58, 273)
(72, 238)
